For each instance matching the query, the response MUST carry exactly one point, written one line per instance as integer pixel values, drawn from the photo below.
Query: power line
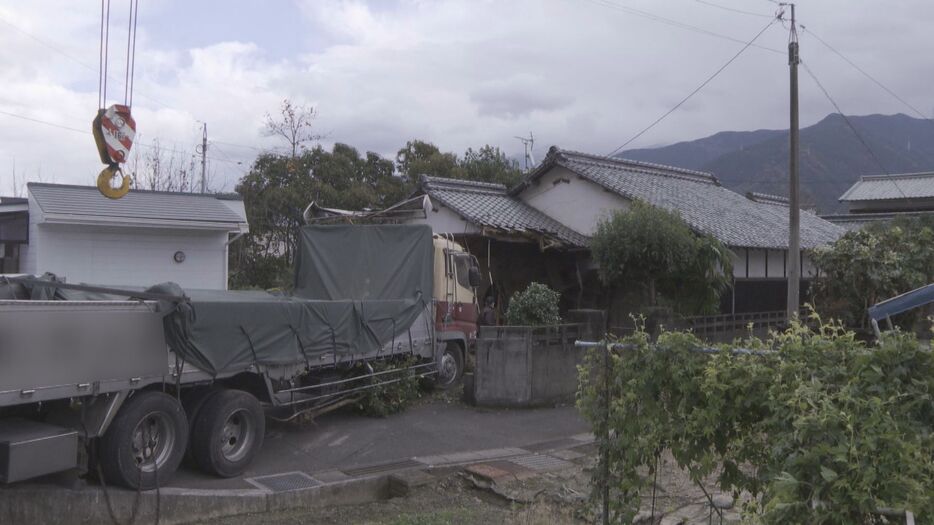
(733, 9)
(81, 63)
(675, 23)
(852, 127)
(86, 132)
(696, 90)
(866, 74)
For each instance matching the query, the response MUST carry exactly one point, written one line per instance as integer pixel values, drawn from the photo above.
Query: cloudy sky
(582, 74)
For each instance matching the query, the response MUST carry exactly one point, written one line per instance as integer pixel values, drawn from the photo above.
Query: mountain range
(832, 156)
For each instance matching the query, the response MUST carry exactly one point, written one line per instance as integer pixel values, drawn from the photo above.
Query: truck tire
(227, 433)
(145, 442)
(450, 366)
(192, 400)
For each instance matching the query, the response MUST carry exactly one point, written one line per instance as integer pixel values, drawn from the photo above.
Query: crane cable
(114, 128)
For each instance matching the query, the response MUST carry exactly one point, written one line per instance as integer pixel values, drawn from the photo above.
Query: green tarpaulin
(357, 288)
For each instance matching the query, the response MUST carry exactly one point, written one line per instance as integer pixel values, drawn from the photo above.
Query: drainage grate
(285, 482)
(384, 467)
(552, 445)
(541, 463)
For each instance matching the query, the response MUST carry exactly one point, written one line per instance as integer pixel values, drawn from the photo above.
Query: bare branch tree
(163, 170)
(294, 125)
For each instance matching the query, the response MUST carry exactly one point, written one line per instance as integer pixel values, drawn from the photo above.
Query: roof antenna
(529, 144)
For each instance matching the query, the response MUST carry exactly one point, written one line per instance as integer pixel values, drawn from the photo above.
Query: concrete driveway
(342, 441)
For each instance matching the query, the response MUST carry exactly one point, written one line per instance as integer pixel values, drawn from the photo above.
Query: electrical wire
(680, 25)
(852, 127)
(86, 132)
(733, 9)
(866, 74)
(696, 90)
(57, 49)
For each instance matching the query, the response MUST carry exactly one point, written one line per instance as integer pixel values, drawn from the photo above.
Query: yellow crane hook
(105, 182)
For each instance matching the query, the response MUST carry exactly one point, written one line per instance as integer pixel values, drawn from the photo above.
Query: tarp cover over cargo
(357, 288)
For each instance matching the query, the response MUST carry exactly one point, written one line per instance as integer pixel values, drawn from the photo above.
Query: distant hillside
(832, 158)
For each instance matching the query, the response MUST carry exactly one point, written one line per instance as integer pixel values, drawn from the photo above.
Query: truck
(123, 384)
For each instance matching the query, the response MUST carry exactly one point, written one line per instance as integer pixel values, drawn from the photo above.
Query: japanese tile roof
(489, 205)
(857, 221)
(698, 197)
(86, 201)
(887, 187)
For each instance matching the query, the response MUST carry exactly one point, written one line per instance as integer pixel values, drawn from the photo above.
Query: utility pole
(794, 209)
(204, 154)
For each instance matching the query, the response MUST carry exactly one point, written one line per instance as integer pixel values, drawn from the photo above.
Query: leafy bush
(867, 266)
(537, 305)
(820, 428)
(654, 248)
(384, 400)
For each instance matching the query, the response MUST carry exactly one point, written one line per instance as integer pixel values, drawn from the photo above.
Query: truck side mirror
(473, 276)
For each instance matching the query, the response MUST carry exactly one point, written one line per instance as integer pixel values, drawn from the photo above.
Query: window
(462, 264)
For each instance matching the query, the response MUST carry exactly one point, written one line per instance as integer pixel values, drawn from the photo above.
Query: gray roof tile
(886, 187)
(137, 204)
(489, 205)
(697, 196)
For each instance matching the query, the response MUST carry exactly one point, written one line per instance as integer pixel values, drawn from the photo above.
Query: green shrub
(654, 251)
(537, 305)
(384, 400)
(820, 429)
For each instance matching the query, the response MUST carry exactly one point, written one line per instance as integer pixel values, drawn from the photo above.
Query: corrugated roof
(86, 201)
(489, 205)
(697, 196)
(888, 187)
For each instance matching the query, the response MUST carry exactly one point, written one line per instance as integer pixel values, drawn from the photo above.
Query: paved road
(340, 441)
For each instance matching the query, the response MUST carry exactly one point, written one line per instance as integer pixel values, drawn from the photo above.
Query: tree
(162, 169)
(654, 249)
(489, 164)
(277, 190)
(294, 125)
(419, 158)
(867, 266)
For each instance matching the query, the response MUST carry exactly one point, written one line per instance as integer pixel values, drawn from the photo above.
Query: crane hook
(105, 180)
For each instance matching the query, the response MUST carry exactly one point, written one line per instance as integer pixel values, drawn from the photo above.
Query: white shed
(147, 237)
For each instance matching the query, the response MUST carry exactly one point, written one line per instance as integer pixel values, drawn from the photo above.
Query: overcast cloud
(582, 74)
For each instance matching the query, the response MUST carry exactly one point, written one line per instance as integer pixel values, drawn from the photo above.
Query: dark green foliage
(537, 305)
(867, 266)
(824, 430)
(389, 399)
(277, 190)
(653, 249)
(487, 164)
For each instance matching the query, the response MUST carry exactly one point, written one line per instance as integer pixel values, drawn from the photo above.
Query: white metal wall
(128, 256)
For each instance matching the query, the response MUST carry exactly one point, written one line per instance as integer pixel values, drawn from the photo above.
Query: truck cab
(456, 278)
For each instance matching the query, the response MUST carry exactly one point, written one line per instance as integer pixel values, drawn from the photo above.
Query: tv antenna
(529, 144)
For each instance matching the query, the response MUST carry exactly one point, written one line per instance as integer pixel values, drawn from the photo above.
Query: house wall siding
(444, 220)
(130, 257)
(577, 203)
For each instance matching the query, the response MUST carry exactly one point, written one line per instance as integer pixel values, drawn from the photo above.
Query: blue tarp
(902, 303)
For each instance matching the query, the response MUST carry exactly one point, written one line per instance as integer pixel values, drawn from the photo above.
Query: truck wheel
(146, 438)
(227, 433)
(450, 366)
(192, 401)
